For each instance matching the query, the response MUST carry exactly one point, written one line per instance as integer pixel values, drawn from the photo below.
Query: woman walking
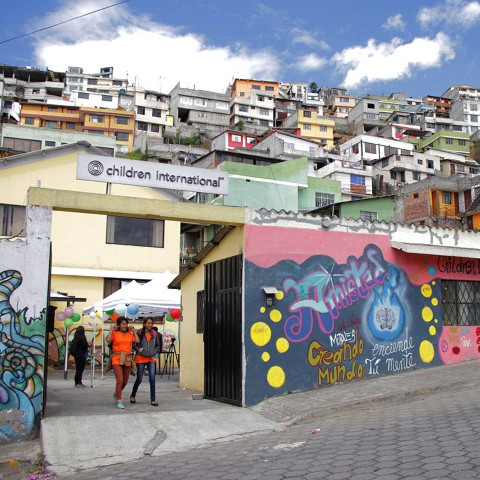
(121, 337)
(79, 351)
(147, 351)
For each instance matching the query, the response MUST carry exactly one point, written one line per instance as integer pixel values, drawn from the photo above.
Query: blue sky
(369, 46)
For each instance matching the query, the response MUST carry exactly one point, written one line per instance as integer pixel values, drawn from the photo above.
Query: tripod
(171, 356)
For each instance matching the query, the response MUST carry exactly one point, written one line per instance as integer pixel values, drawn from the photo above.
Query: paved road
(436, 436)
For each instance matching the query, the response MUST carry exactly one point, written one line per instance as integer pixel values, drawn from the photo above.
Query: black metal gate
(223, 330)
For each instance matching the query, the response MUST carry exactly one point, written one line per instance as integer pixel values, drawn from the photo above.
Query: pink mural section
(459, 344)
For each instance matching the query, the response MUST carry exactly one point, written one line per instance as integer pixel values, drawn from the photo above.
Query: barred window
(322, 199)
(461, 303)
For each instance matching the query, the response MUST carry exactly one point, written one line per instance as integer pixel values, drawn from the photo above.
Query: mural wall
(23, 298)
(347, 307)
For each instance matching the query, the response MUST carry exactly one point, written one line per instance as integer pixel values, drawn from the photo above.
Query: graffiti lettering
(340, 338)
(372, 364)
(351, 323)
(394, 365)
(457, 265)
(313, 301)
(394, 347)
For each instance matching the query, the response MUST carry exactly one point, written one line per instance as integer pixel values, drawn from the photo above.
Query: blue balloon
(133, 309)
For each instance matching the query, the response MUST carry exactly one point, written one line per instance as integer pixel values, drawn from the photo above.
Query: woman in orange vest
(147, 350)
(121, 337)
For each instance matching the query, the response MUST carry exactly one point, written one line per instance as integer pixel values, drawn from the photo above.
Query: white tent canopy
(153, 298)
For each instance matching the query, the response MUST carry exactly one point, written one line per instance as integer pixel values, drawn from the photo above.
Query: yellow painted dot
(265, 356)
(275, 315)
(276, 377)
(282, 345)
(426, 350)
(434, 302)
(432, 330)
(436, 320)
(427, 314)
(426, 290)
(262, 309)
(279, 295)
(260, 333)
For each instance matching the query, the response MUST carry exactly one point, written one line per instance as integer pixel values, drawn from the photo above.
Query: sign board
(149, 174)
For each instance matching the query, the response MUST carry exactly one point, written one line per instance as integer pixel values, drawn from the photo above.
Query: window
(29, 121)
(155, 128)
(390, 151)
(370, 105)
(458, 128)
(462, 143)
(121, 137)
(107, 98)
(264, 123)
(141, 110)
(473, 107)
(242, 94)
(364, 215)
(357, 180)
(416, 176)
(186, 100)
(307, 114)
(71, 110)
(202, 114)
(236, 138)
(50, 124)
(323, 128)
(385, 162)
(142, 126)
(449, 141)
(256, 87)
(70, 126)
(156, 113)
(355, 148)
(307, 127)
(83, 95)
(260, 98)
(94, 118)
(12, 218)
(370, 147)
(322, 199)
(242, 108)
(461, 303)
(251, 141)
(263, 111)
(269, 88)
(222, 106)
(117, 83)
(474, 118)
(447, 197)
(92, 81)
(122, 121)
(420, 161)
(49, 143)
(52, 109)
(141, 232)
(430, 164)
(201, 102)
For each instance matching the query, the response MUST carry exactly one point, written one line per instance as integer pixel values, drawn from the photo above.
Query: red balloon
(114, 316)
(175, 313)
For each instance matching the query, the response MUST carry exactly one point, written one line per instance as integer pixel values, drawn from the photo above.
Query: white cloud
(451, 12)
(310, 62)
(378, 62)
(395, 22)
(158, 56)
(306, 38)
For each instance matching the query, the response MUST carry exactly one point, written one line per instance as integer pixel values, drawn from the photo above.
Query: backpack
(73, 347)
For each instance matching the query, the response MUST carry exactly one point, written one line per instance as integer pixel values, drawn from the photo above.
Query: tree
(475, 151)
(313, 87)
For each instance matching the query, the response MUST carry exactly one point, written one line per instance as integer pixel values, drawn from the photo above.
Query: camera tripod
(170, 357)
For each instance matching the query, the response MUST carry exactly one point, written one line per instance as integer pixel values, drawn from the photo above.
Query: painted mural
(22, 345)
(344, 317)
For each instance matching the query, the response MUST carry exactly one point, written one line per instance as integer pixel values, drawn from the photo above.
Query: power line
(61, 23)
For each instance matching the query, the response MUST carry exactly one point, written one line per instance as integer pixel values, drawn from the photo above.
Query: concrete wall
(23, 306)
(348, 307)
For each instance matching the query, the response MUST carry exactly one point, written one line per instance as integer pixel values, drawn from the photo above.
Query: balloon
(109, 312)
(105, 316)
(69, 312)
(120, 309)
(133, 309)
(114, 316)
(169, 318)
(175, 313)
(60, 316)
(76, 317)
(92, 315)
(68, 322)
(98, 314)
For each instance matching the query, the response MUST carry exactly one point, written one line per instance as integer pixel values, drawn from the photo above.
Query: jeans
(151, 378)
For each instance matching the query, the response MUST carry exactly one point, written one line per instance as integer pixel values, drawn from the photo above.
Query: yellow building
(92, 255)
(100, 121)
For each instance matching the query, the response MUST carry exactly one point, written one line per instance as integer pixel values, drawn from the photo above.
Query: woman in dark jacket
(79, 351)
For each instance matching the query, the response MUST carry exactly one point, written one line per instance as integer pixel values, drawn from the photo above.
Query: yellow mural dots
(434, 282)
(432, 330)
(427, 314)
(265, 356)
(279, 295)
(436, 320)
(434, 302)
(276, 377)
(426, 351)
(426, 290)
(262, 309)
(275, 315)
(260, 334)
(282, 345)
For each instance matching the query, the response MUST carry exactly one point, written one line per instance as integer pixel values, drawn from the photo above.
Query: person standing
(147, 351)
(121, 338)
(79, 351)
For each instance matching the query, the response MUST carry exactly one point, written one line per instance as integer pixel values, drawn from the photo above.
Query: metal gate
(223, 330)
